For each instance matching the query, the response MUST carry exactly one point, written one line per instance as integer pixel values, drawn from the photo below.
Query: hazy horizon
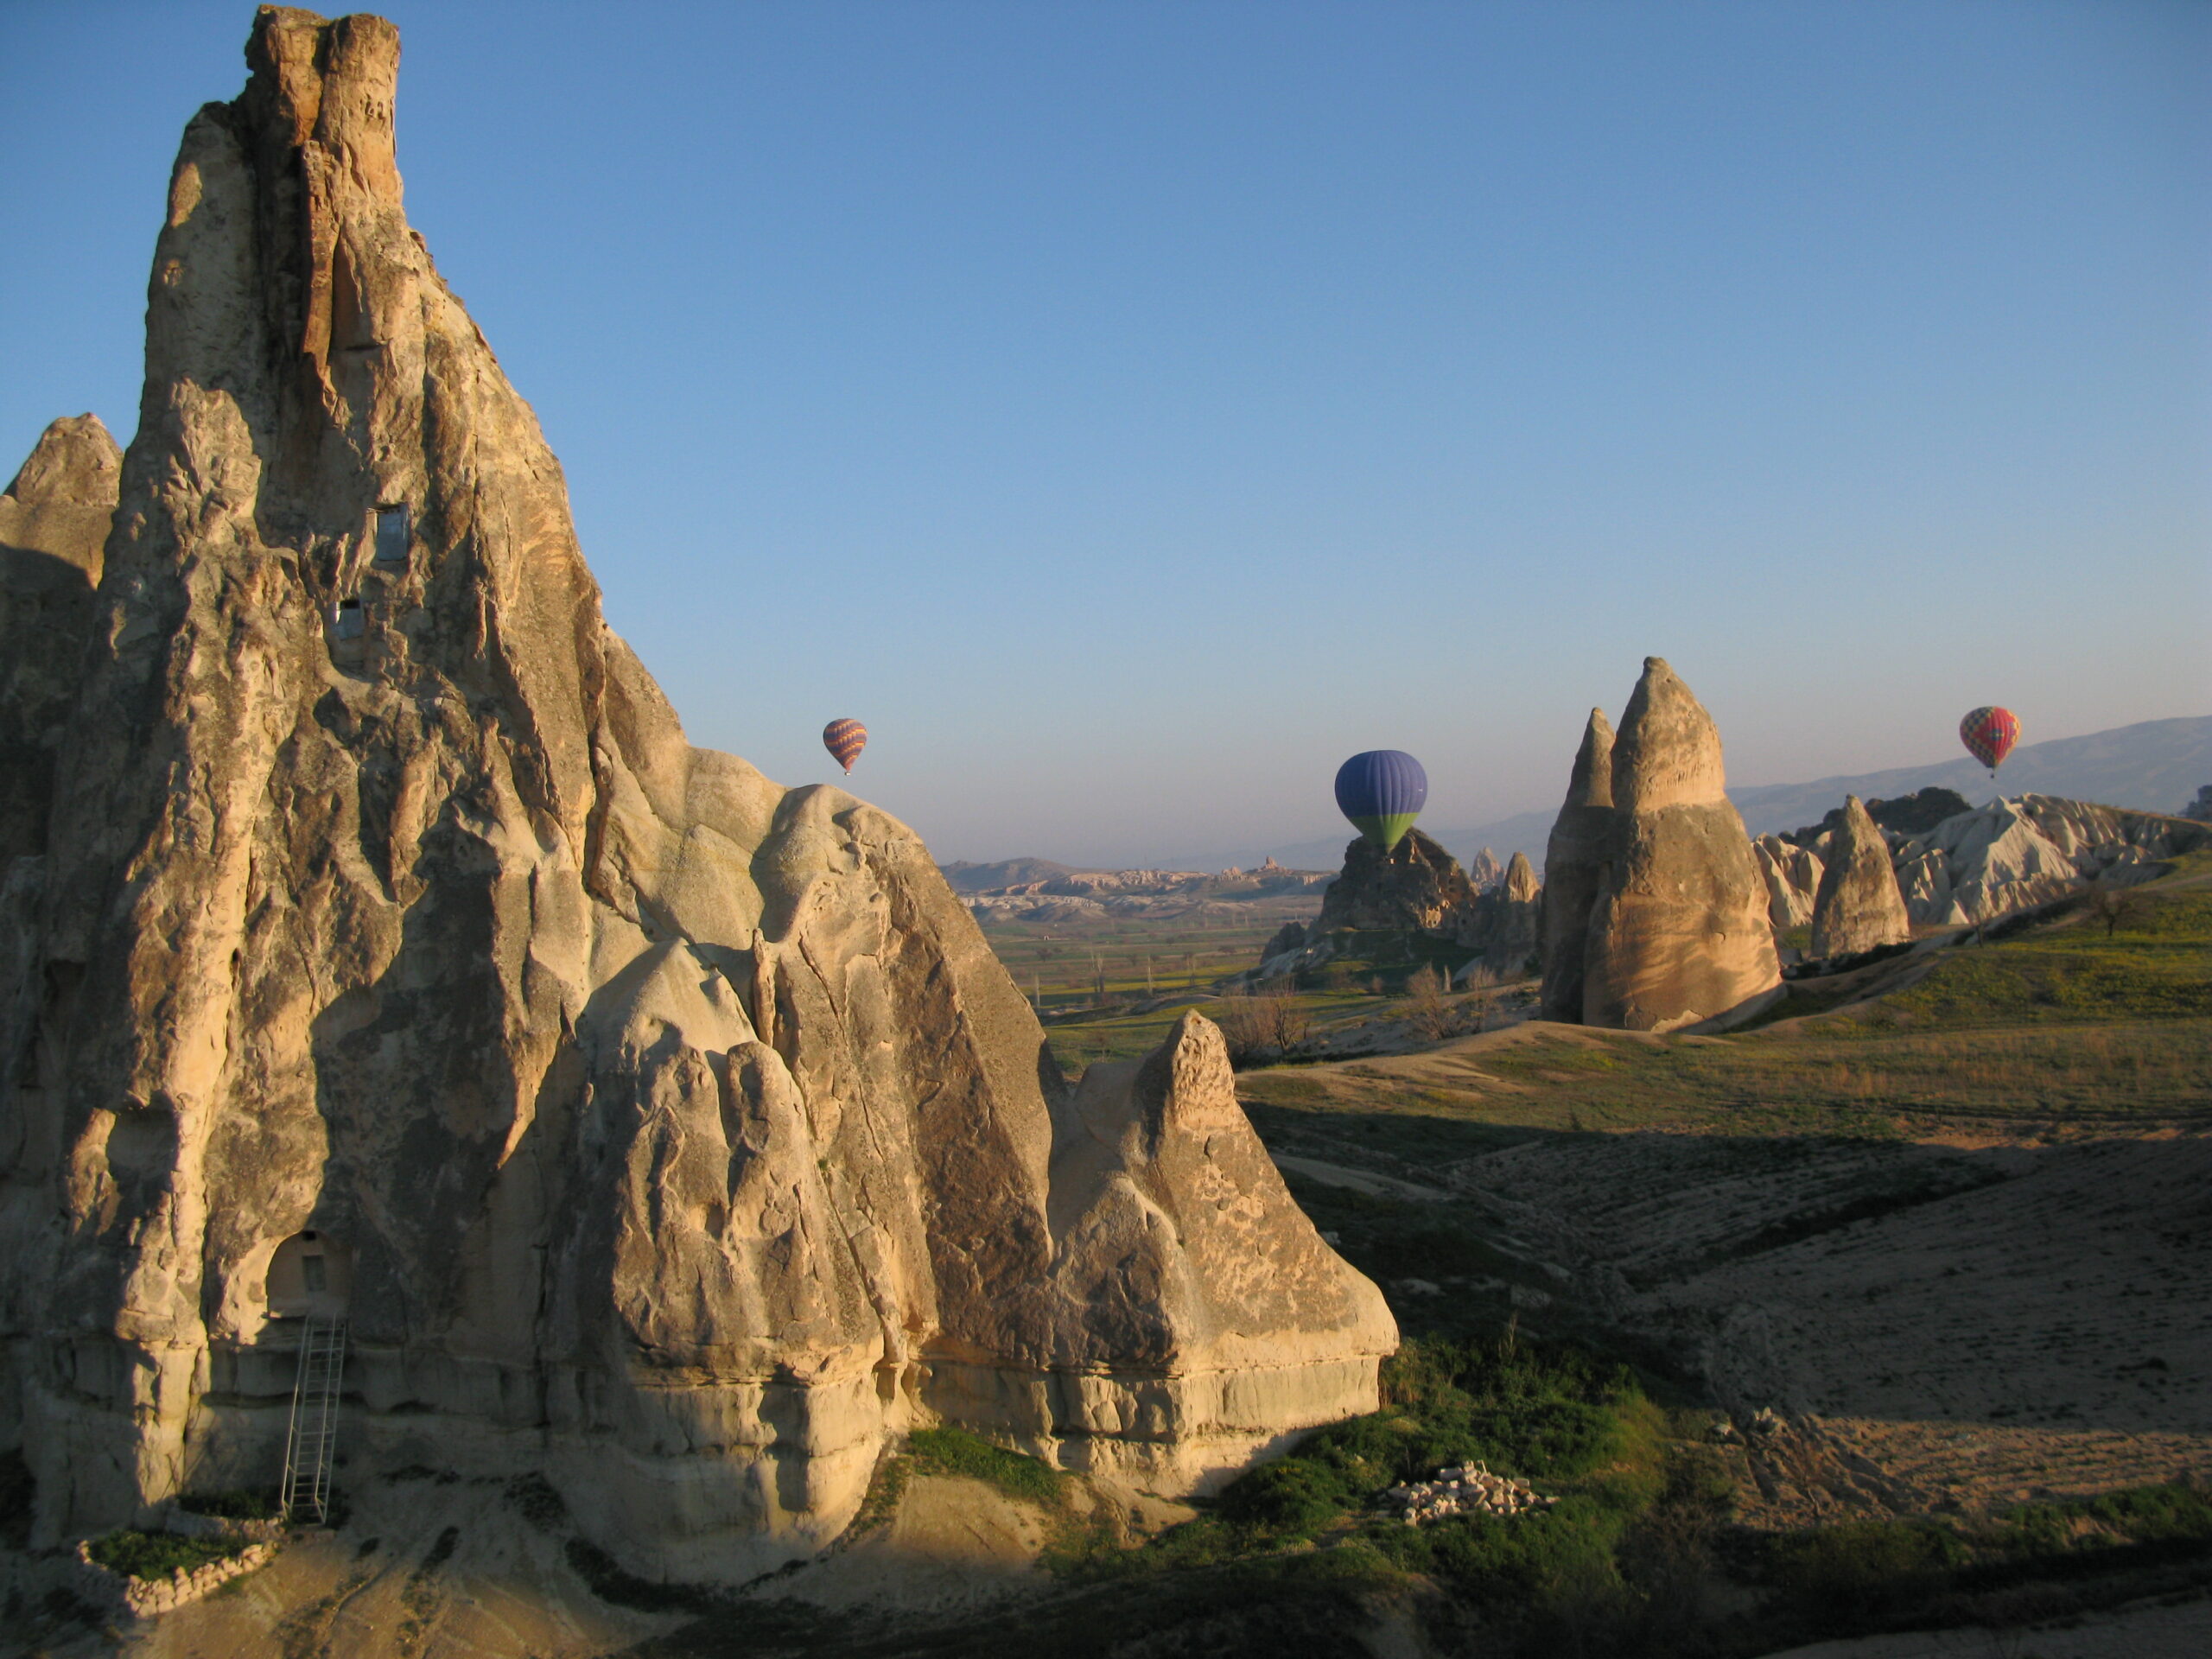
(1127, 411)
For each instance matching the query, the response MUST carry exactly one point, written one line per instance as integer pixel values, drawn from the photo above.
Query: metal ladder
(314, 1432)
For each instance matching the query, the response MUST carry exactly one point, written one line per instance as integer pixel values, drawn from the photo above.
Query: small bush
(239, 1505)
(157, 1554)
(1861, 1566)
(956, 1452)
(1293, 1496)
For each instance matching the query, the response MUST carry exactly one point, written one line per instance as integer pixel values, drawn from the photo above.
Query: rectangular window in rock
(392, 531)
(347, 621)
(311, 1269)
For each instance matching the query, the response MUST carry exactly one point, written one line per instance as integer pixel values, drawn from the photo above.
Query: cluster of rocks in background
(2200, 809)
(1468, 1489)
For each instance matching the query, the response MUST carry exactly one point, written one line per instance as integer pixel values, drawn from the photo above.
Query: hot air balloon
(845, 739)
(1989, 735)
(1381, 791)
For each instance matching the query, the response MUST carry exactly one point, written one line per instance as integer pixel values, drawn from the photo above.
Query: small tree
(2114, 903)
(1426, 1012)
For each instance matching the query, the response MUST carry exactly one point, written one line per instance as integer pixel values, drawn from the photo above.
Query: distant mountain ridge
(2155, 765)
(1004, 873)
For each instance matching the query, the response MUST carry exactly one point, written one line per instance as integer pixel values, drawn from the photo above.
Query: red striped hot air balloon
(1989, 735)
(845, 739)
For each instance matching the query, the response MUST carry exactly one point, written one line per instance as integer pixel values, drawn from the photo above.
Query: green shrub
(1865, 1565)
(2156, 1514)
(957, 1451)
(238, 1505)
(157, 1554)
(1296, 1495)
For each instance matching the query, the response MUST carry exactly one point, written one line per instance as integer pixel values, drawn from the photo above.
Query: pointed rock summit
(1574, 867)
(53, 525)
(1678, 931)
(1859, 906)
(395, 957)
(1416, 886)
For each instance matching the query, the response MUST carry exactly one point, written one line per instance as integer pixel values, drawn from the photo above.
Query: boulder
(1574, 868)
(1859, 906)
(53, 526)
(1679, 932)
(684, 1138)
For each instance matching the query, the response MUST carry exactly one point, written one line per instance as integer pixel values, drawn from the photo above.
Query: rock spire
(1679, 932)
(1574, 867)
(1858, 906)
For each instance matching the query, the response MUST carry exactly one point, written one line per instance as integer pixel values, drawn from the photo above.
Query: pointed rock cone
(1574, 867)
(1679, 933)
(1858, 906)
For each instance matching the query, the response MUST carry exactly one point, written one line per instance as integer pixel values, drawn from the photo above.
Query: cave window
(347, 620)
(392, 535)
(309, 1273)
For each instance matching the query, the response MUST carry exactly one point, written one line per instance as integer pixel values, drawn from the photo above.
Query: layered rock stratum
(1858, 906)
(677, 1134)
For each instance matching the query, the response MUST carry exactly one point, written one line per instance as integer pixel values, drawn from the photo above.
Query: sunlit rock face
(1858, 906)
(1679, 930)
(679, 1132)
(1574, 867)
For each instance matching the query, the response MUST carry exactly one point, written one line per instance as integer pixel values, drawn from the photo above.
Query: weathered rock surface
(1976, 866)
(2200, 809)
(1792, 874)
(1574, 868)
(1679, 932)
(53, 525)
(1416, 886)
(682, 1135)
(1507, 921)
(1484, 871)
(1859, 906)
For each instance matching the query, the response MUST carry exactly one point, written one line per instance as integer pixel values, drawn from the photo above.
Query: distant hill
(1006, 872)
(2156, 766)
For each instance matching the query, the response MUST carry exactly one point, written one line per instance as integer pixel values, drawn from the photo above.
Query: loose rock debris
(1466, 1488)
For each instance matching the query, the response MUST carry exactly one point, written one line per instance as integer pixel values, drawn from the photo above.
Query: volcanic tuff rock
(677, 1134)
(1484, 871)
(1792, 874)
(1507, 920)
(1574, 868)
(1859, 906)
(53, 524)
(1976, 866)
(1679, 932)
(1416, 886)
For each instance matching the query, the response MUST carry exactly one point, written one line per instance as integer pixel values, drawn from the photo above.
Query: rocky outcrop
(53, 525)
(1977, 865)
(1507, 921)
(1574, 868)
(1679, 932)
(1859, 906)
(680, 1133)
(1899, 817)
(1415, 888)
(1484, 871)
(1792, 875)
(2200, 809)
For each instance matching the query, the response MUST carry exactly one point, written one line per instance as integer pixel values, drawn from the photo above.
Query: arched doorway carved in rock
(311, 1273)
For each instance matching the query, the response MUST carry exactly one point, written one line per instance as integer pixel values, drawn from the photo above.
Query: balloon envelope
(845, 739)
(1989, 735)
(1381, 791)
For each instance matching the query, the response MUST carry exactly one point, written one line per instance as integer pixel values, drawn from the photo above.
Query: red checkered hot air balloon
(1989, 735)
(845, 739)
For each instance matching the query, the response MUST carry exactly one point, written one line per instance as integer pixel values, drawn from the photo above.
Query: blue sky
(1127, 410)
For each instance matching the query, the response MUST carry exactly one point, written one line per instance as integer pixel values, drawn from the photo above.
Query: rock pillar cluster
(1657, 914)
(679, 1133)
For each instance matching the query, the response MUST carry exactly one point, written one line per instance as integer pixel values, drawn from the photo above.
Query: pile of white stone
(1466, 1488)
(144, 1598)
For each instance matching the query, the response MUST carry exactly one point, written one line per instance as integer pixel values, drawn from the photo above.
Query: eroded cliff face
(680, 1132)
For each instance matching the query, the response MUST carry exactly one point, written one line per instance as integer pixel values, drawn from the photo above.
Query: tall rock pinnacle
(1679, 932)
(651, 1125)
(1574, 868)
(1859, 905)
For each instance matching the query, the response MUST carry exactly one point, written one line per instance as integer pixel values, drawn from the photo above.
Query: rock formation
(1507, 921)
(672, 1132)
(53, 524)
(1792, 875)
(1679, 932)
(1415, 887)
(1484, 871)
(1859, 906)
(1575, 869)
(2200, 809)
(1976, 866)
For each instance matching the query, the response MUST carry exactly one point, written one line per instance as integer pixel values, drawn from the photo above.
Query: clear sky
(1128, 409)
